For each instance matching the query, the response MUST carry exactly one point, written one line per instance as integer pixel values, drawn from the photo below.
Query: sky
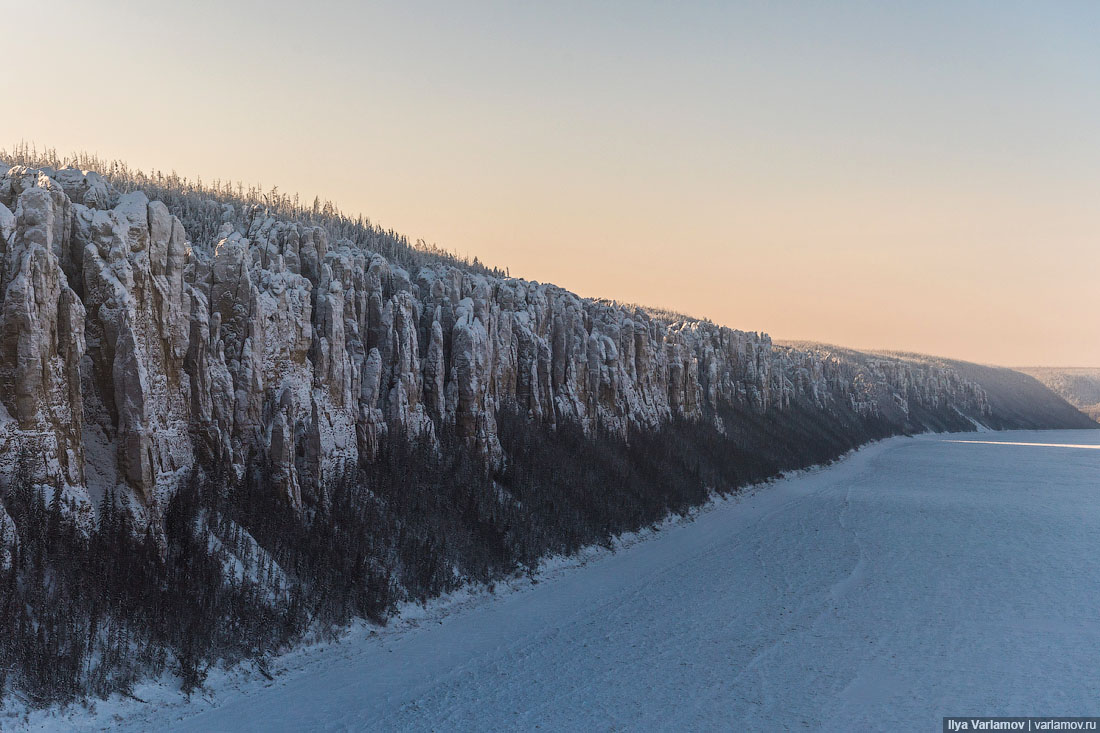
(920, 176)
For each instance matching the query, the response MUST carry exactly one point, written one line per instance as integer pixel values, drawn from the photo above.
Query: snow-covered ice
(919, 578)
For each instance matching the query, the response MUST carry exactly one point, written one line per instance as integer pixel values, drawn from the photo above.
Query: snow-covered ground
(919, 578)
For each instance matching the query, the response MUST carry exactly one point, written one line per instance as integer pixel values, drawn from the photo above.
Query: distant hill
(1018, 398)
(1080, 386)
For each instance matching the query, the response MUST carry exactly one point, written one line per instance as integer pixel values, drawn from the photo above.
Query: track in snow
(919, 578)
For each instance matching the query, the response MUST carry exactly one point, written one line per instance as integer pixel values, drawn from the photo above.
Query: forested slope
(1079, 386)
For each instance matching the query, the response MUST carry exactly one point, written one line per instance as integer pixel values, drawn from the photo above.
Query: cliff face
(129, 351)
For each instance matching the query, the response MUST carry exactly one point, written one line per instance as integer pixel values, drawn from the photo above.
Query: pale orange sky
(915, 176)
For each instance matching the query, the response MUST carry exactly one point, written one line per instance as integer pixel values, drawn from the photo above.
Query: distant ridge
(1079, 385)
(1019, 398)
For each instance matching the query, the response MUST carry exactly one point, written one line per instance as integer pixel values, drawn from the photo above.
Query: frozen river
(919, 578)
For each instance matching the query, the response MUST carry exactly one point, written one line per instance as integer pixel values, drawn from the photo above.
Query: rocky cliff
(132, 348)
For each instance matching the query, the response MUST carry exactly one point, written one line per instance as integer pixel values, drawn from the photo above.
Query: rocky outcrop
(128, 351)
(42, 334)
(138, 332)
